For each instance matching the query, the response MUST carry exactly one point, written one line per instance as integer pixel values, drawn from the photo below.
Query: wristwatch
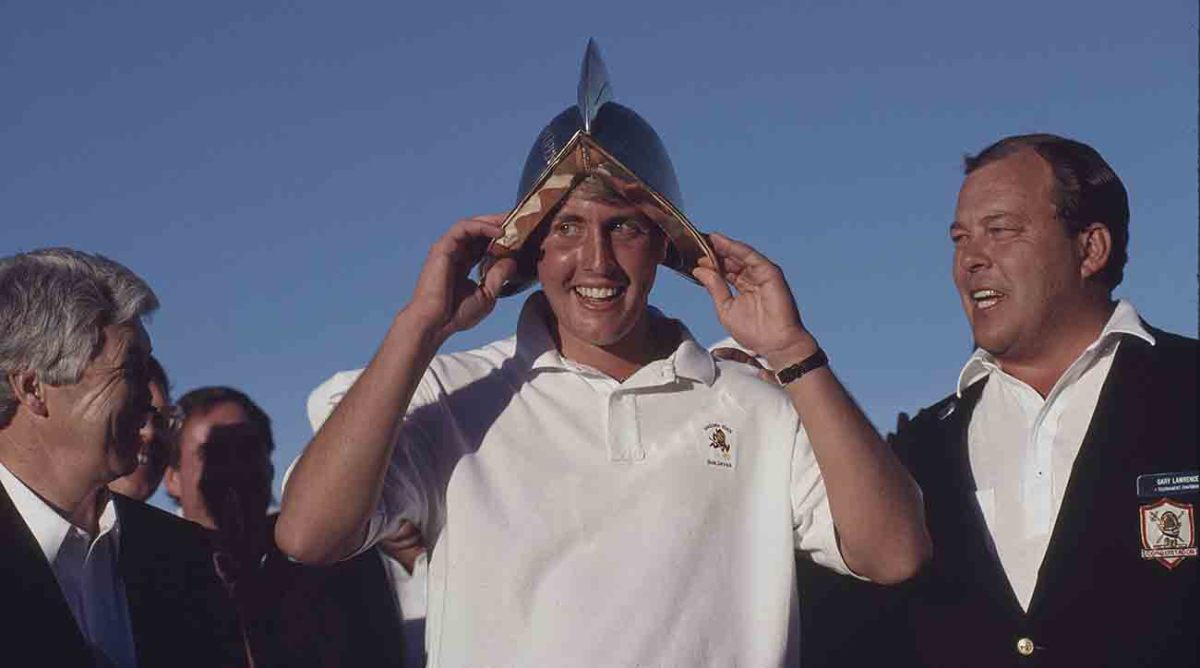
(792, 373)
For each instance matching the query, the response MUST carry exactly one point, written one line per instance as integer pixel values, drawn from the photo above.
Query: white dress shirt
(86, 570)
(1022, 447)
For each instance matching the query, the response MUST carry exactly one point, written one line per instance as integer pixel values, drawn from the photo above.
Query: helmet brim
(581, 157)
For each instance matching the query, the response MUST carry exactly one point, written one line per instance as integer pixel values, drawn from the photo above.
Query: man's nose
(598, 253)
(972, 255)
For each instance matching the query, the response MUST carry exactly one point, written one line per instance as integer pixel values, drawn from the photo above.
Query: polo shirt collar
(536, 347)
(692, 360)
(1124, 320)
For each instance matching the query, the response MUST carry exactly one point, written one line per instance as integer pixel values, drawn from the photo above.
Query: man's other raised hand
(446, 299)
(761, 315)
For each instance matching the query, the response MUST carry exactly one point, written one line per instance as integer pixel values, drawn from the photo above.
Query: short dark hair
(204, 399)
(158, 376)
(1086, 189)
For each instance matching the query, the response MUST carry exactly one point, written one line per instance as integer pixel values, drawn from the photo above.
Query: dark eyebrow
(991, 217)
(631, 216)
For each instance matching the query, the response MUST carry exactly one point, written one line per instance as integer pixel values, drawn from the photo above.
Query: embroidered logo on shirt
(720, 446)
(1168, 532)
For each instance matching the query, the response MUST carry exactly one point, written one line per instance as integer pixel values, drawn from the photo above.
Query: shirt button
(1025, 647)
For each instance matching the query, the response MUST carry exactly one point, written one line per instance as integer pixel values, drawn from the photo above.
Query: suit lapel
(1120, 409)
(138, 580)
(979, 558)
(29, 592)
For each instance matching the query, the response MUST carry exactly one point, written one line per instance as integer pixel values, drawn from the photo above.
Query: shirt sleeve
(812, 523)
(410, 484)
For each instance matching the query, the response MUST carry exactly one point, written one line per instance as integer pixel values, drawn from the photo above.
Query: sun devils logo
(1168, 532)
(720, 446)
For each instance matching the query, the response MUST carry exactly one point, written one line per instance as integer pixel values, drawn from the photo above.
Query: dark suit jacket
(177, 610)
(1097, 602)
(328, 616)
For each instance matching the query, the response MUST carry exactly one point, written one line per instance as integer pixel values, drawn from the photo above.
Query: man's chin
(600, 337)
(124, 464)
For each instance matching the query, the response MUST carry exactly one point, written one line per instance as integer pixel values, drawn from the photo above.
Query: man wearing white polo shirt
(597, 490)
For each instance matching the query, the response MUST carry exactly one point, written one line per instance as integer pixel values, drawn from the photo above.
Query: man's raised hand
(445, 296)
(762, 314)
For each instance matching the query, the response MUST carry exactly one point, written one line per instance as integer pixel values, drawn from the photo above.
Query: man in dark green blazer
(1060, 479)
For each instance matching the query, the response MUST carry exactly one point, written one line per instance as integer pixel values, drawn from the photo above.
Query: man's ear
(1095, 247)
(171, 480)
(29, 390)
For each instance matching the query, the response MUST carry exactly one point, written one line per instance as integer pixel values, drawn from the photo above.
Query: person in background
(154, 439)
(200, 411)
(219, 472)
(88, 577)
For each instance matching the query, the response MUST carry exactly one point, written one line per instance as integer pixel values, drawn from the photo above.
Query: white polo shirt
(579, 521)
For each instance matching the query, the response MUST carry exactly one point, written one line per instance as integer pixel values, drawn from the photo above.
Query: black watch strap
(793, 372)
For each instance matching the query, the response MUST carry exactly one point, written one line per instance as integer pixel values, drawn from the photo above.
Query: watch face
(584, 156)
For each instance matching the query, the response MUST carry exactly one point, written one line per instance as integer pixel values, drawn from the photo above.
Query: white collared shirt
(1022, 447)
(583, 521)
(86, 570)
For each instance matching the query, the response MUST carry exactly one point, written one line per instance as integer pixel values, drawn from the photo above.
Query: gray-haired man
(89, 577)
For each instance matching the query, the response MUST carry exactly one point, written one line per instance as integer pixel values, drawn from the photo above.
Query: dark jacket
(327, 616)
(1097, 601)
(177, 611)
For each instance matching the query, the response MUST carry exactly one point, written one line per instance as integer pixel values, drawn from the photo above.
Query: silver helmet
(597, 138)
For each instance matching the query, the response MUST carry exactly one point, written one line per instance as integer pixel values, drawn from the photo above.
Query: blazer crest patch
(1168, 530)
(719, 439)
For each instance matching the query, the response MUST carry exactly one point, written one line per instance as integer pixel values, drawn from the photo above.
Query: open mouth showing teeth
(986, 299)
(599, 293)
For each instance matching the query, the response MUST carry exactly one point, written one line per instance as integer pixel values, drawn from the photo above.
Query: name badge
(1168, 484)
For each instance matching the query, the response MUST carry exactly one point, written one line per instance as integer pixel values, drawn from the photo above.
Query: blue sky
(277, 170)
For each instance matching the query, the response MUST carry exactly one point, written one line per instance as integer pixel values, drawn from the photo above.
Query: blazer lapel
(139, 582)
(30, 596)
(964, 527)
(1120, 410)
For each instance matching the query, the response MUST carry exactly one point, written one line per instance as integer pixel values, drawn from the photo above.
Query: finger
(768, 377)
(407, 529)
(498, 274)
(406, 536)
(717, 289)
(468, 239)
(736, 355)
(402, 543)
(730, 263)
(488, 227)
(744, 281)
(728, 248)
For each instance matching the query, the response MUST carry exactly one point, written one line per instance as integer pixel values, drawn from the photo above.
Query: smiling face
(99, 417)
(1021, 276)
(152, 451)
(598, 261)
